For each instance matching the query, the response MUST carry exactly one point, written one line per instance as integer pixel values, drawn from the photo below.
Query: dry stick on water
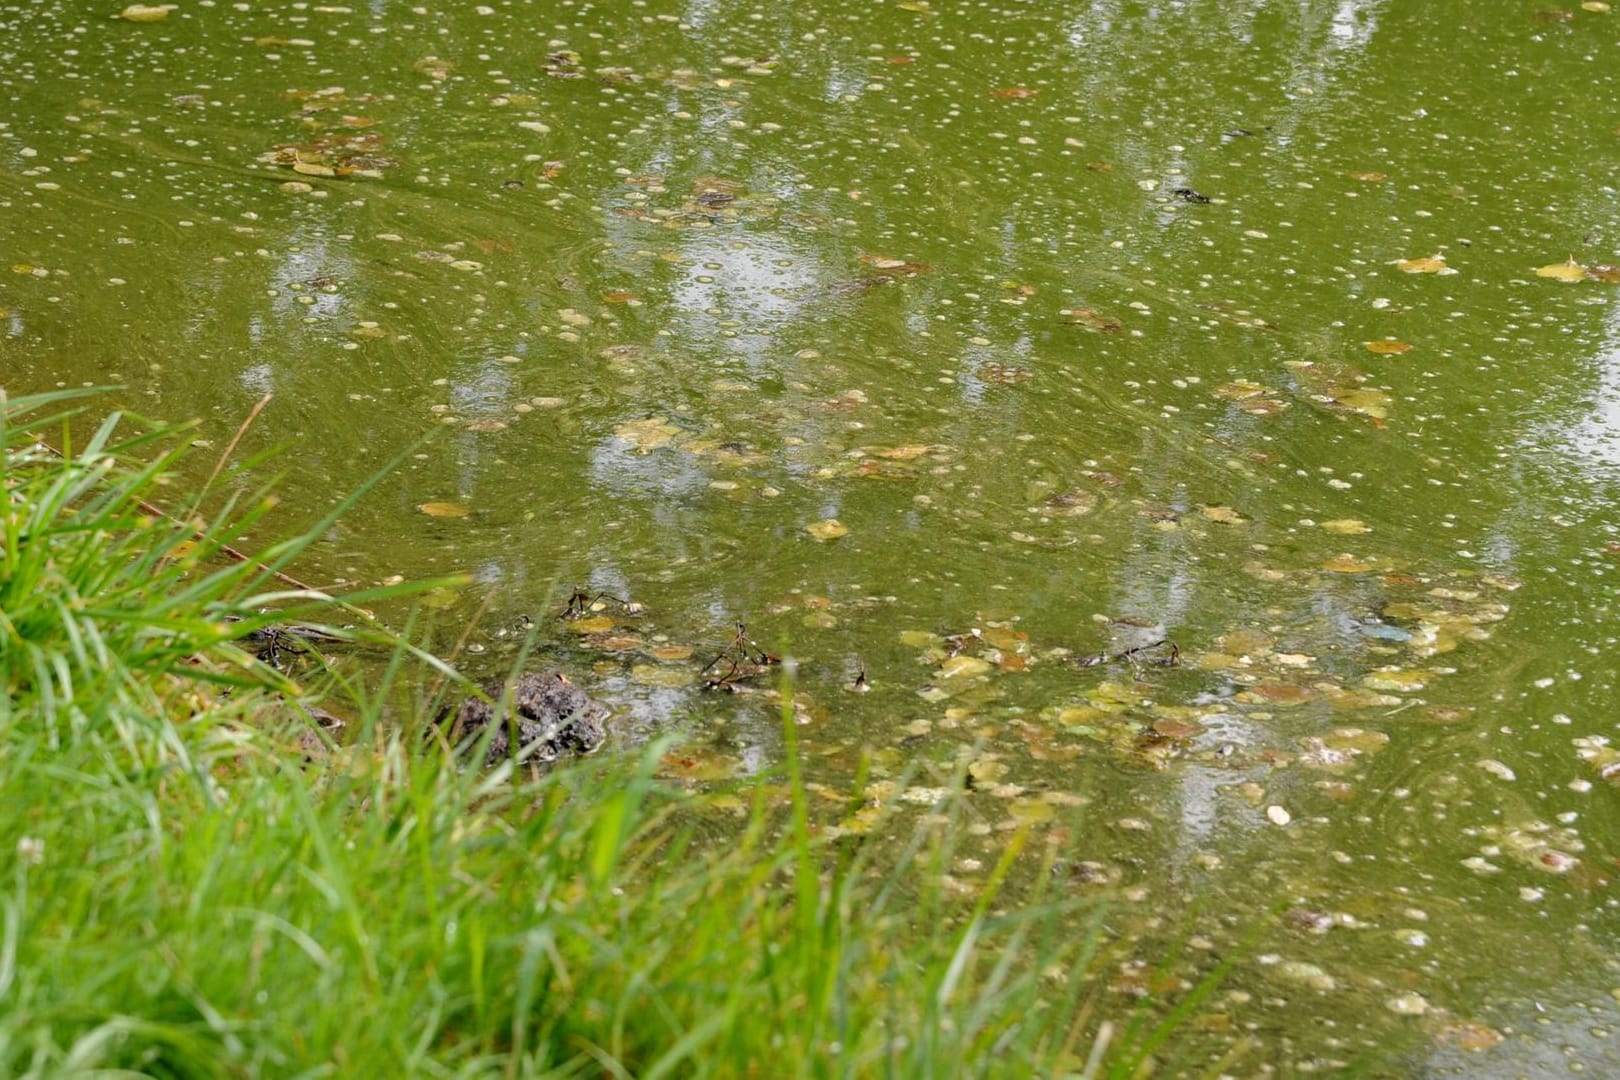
(230, 447)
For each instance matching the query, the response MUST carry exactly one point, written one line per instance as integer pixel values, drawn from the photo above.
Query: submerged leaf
(1345, 526)
(827, 529)
(1365, 400)
(1466, 1035)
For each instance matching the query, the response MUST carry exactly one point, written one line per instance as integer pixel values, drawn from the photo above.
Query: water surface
(954, 343)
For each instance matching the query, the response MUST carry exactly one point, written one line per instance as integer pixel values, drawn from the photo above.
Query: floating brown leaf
(1092, 319)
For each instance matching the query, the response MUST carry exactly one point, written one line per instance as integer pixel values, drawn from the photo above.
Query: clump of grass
(183, 893)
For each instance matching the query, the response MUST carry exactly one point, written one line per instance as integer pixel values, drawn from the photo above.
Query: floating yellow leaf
(1262, 406)
(962, 667)
(444, 509)
(988, 772)
(1225, 515)
(1388, 348)
(1564, 271)
(1396, 680)
(1239, 390)
(594, 624)
(1345, 526)
(1002, 637)
(1434, 264)
(1032, 810)
(1367, 177)
(899, 453)
(146, 12)
(889, 267)
(310, 168)
(1348, 564)
(647, 435)
(827, 529)
(1079, 715)
(668, 678)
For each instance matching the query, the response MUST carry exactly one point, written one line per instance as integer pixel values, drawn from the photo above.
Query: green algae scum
(1172, 448)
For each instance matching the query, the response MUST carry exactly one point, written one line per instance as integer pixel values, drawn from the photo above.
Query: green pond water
(955, 343)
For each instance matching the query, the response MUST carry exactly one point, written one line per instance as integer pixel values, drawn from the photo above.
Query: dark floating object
(1187, 194)
(273, 641)
(581, 603)
(553, 717)
(742, 659)
(1169, 657)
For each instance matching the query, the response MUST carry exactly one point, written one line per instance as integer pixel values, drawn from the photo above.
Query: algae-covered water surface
(1200, 421)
